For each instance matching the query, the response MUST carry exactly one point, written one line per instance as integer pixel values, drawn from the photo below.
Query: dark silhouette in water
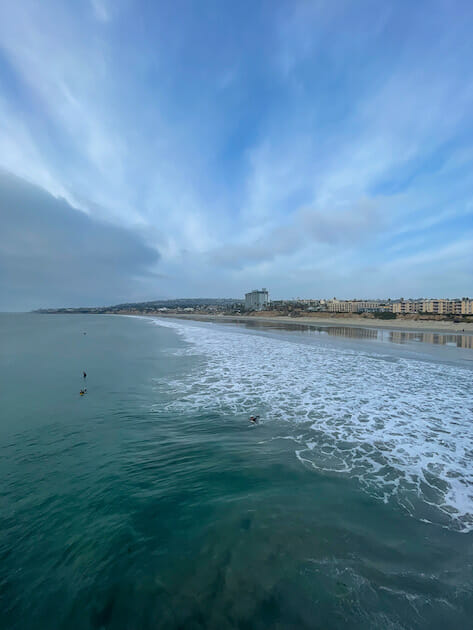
(84, 374)
(254, 419)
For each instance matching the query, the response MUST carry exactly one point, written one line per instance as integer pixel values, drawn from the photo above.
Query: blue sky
(207, 148)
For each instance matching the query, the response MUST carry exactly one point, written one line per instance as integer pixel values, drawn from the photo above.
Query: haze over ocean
(152, 503)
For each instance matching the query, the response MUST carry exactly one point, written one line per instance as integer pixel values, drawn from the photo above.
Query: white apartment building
(355, 306)
(257, 300)
(339, 306)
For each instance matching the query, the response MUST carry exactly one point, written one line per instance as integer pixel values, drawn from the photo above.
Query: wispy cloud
(284, 138)
(309, 229)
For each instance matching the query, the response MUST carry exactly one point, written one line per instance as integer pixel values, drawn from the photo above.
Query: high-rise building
(257, 300)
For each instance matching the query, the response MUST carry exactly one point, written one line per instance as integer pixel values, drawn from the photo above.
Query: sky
(154, 150)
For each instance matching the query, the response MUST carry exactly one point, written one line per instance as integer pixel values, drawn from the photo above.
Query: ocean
(151, 502)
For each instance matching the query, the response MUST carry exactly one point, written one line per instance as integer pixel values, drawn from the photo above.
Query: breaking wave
(402, 427)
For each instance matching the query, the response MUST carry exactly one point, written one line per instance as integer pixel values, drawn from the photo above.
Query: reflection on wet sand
(460, 341)
(374, 334)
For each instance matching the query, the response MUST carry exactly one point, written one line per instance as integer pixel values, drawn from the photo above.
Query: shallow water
(368, 333)
(151, 503)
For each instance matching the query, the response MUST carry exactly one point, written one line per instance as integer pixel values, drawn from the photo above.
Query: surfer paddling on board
(254, 419)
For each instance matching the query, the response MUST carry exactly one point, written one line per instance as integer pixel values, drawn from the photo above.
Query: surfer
(254, 419)
(84, 374)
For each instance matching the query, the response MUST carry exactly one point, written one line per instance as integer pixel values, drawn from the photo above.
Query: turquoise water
(151, 503)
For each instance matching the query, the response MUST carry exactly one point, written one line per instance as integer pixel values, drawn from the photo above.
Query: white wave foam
(403, 428)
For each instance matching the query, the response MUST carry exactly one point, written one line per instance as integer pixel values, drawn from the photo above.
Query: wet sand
(352, 322)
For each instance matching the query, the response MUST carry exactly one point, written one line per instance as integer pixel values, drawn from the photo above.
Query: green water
(117, 513)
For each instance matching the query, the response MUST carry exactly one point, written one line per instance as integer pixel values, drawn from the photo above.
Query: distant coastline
(226, 310)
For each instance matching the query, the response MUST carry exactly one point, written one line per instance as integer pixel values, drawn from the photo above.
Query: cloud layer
(50, 252)
(315, 148)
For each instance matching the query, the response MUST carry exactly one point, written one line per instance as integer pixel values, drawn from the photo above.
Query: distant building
(467, 306)
(436, 307)
(356, 306)
(339, 306)
(257, 300)
(406, 306)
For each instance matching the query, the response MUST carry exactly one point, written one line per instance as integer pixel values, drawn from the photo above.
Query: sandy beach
(353, 322)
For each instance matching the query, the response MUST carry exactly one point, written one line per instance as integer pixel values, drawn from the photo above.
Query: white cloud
(114, 130)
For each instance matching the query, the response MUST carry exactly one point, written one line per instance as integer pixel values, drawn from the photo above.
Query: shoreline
(440, 327)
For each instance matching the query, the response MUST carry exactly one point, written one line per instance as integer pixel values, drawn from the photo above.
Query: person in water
(254, 419)
(85, 375)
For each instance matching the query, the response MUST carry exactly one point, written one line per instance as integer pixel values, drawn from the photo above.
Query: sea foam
(403, 428)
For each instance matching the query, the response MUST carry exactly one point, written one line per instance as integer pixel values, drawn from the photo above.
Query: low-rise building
(406, 306)
(440, 306)
(373, 306)
(339, 306)
(356, 306)
(466, 306)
